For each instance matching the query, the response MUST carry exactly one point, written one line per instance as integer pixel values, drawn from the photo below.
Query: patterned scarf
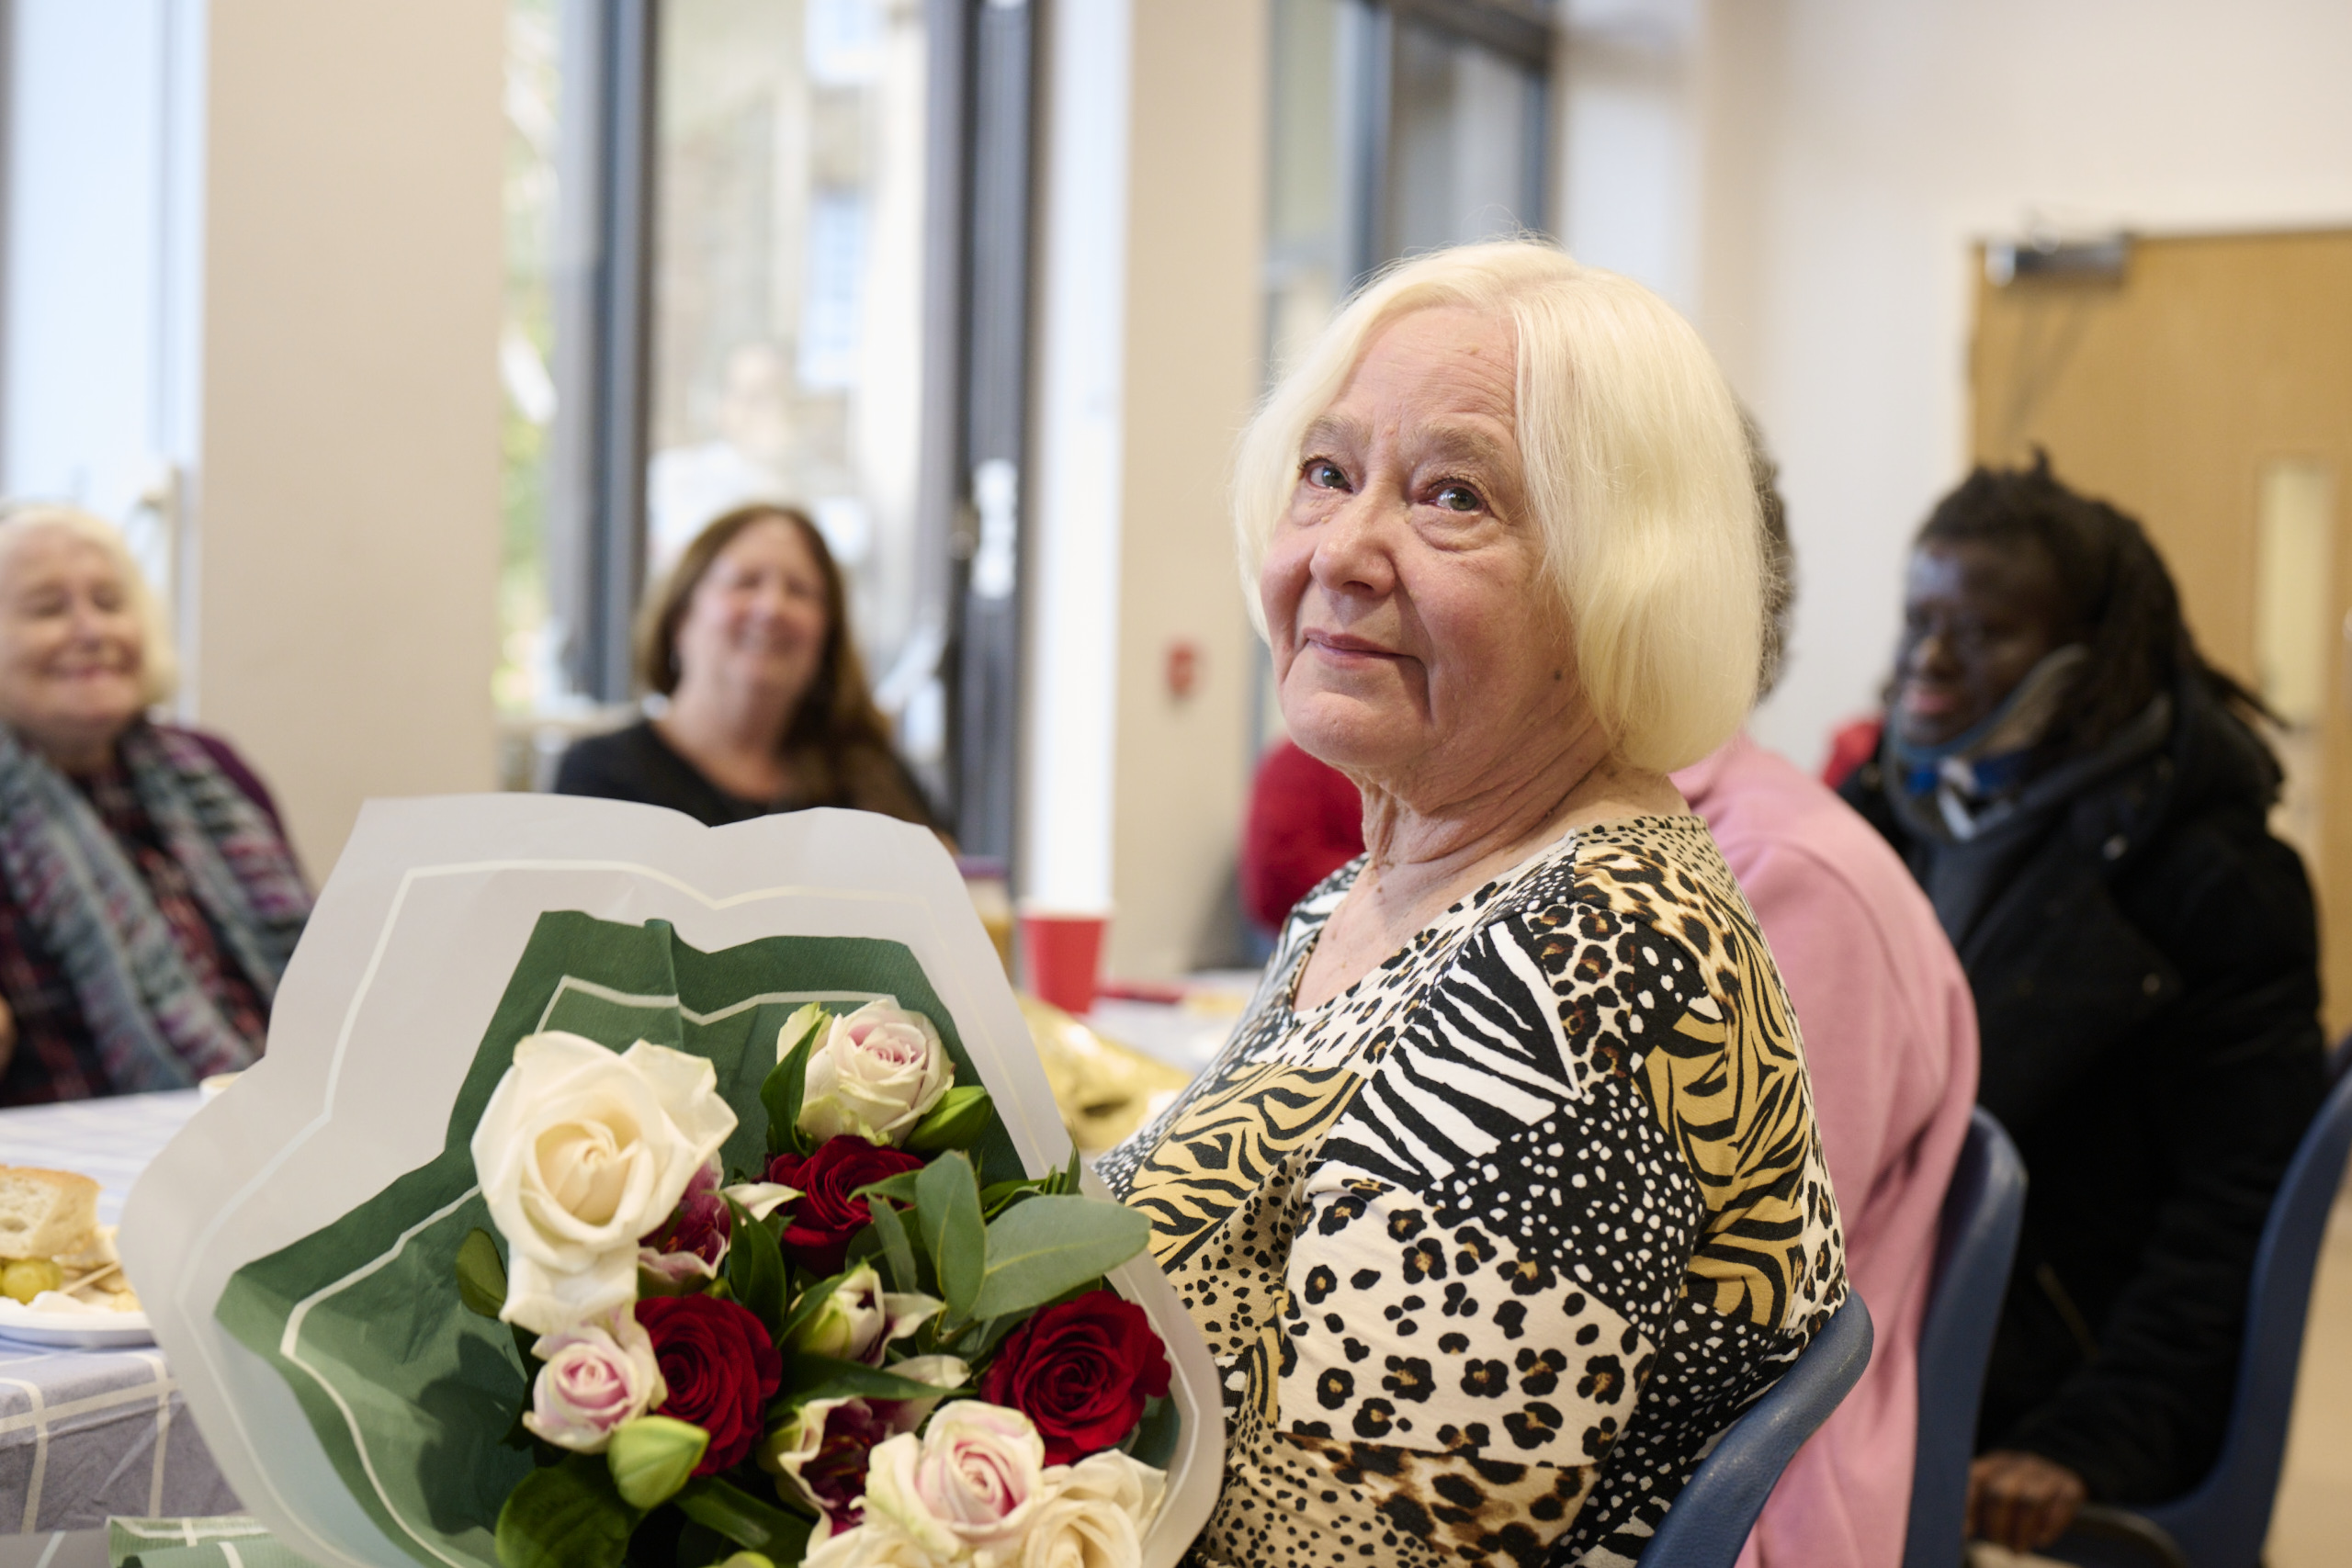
(154, 1024)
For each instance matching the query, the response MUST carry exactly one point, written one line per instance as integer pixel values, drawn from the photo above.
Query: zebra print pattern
(1494, 1244)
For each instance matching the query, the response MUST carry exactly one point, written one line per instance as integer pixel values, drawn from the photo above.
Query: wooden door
(2209, 393)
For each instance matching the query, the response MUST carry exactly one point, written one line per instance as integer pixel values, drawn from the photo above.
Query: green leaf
(744, 1519)
(1038, 1249)
(566, 1516)
(898, 1188)
(957, 1122)
(787, 1081)
(947, 1215)
(827, 1377)
(897, 1252)
(482, 1274)
(754, 1267)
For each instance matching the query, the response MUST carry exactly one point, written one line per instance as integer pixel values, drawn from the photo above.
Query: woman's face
(1416, 641)
(70, 648)
(757, 618)
(1976, 617)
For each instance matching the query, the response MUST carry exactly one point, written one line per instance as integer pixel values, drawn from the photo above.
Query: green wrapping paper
(410, 1393)
(228, 1540)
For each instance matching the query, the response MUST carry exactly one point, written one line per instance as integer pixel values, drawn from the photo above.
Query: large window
(770, 250)
(788, 285)
(1398, 126)
(721, 231)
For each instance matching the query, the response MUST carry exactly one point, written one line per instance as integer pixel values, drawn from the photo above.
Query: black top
(2145, 965)
(636, 765)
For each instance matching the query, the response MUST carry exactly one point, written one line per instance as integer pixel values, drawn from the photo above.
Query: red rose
(1081, 1371)
(720, 1367)
(824, 1217)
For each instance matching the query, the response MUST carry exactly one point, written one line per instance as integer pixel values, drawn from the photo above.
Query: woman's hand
(2021, 1500)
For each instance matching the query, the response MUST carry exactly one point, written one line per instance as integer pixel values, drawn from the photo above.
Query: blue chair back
(1977, 1241)
(1709, 1521)
(2222, 1522)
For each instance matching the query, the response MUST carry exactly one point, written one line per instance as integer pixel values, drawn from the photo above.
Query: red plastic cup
(1064, 949)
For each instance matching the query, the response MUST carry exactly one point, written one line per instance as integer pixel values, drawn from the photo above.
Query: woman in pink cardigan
(1890, 1045)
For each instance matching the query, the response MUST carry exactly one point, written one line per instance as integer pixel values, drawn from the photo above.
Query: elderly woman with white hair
(1506, 1196)
(148, 899)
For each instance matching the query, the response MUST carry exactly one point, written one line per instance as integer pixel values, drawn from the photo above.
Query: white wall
(1150, 353)
(1849, 150)
(349, 534)
(260, 240)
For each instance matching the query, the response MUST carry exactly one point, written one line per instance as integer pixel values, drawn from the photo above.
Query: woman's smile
(1347, 650)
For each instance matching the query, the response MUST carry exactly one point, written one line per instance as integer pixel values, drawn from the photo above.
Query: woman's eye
(1458, 497)
(1324, 474)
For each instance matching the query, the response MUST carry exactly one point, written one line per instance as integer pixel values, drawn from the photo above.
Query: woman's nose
(1931, 654)
(1352, 550)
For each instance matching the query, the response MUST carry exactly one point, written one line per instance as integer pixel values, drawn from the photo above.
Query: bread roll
(45, 1214)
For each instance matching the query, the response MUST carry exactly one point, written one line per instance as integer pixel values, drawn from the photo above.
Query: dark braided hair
(2115, 596)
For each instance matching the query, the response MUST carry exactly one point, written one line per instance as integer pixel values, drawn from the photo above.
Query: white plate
(73, 1330)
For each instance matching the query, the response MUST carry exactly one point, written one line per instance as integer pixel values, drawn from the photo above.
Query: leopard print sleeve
(1565, 1216)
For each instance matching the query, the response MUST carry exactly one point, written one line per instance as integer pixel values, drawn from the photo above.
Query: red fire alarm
(1183, 668)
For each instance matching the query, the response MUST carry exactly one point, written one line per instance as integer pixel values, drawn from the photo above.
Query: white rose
(876, 1073)
(967, 1485)
(860, 1319)
(1094, 1513)
(868, 1546)
(582, 1152)
(596, 1376)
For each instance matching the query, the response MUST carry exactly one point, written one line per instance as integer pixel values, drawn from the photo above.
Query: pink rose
(596, 1375)
(967, 1484)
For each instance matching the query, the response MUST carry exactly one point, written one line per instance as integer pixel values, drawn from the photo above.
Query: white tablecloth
(88, 1433)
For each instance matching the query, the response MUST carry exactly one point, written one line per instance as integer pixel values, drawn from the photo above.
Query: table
(84, 1434)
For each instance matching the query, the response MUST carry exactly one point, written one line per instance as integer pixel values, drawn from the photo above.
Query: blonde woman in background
(148, 899)
(1506, 1197)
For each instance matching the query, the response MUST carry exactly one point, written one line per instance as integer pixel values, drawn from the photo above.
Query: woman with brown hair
(769, 710)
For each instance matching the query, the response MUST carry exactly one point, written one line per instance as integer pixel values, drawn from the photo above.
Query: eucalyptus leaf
(947, 1215)
(482, 1274)
(788, 1082)
(566, 1516)
(897, 1252)
(1041, 1248)
(898, 1188)
(744, 1519)
(754, 1267)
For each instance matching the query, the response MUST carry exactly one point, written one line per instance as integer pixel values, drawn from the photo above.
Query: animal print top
(1490, 1246)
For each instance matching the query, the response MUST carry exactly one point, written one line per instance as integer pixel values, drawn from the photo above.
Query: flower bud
(956, 1123)
(653, 1455)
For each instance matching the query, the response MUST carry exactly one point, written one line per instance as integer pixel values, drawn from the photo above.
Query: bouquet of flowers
(927, 1371)
(748, 1251)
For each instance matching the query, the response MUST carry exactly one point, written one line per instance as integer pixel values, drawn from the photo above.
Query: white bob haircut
(159, 669)
(1635, 472)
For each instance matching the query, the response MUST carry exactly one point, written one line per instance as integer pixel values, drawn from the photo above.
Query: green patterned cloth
(230, 1540)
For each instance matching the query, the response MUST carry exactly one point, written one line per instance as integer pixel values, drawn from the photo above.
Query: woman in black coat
(2085, 800)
